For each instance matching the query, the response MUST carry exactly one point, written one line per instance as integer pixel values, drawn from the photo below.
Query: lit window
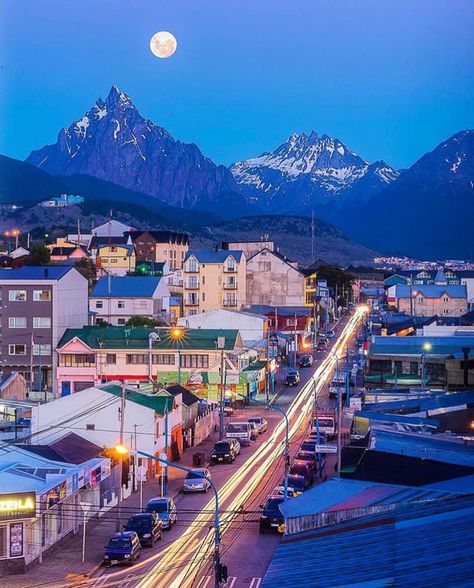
(41, 295)
(17, 295)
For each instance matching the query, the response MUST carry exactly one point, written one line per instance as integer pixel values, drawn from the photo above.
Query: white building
(252, 327)
(111, 228)
(95, 414)
(118, 298)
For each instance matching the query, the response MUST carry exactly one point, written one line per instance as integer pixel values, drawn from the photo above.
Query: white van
(324, 423)
(241, 431)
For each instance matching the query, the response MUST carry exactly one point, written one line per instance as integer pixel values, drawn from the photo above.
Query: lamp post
(287, 438)
(121, 452)
(220, 571)
(153, 337)
(426, 348)
(177, 334)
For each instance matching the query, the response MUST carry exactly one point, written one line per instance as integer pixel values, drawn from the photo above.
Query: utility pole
(121, 457)
(294, 355)
(339, 426)
(221, 399)
(267, 379)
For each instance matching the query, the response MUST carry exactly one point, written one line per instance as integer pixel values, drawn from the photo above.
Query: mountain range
(424, 211)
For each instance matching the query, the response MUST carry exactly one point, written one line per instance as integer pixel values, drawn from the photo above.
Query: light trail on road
(188, 549)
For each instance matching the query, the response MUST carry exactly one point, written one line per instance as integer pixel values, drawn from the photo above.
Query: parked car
(147, 526)
(228, 407)
(272, 517)
(306, 360)
(195, 482)
(321, 346)
(280, 491)
(226, 450)
(165, 508)
(309, 458)
(253, 430)
(292, 378)
(299, 483)
(301, 468)
(122, 548)
(261, 423)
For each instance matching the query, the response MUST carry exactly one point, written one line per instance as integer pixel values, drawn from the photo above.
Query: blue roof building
(211, 256)
(126, 286)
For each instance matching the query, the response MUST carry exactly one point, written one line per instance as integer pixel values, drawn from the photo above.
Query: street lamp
(177, 335)
(287, 438)
(153, 337)
(426, 349)
(220, 571)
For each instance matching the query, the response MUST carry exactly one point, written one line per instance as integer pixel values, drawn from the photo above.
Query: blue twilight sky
(390, 78)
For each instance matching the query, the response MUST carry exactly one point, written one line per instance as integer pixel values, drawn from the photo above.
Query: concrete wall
(270, 280)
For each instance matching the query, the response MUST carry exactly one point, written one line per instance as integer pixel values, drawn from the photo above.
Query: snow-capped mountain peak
(305, 171)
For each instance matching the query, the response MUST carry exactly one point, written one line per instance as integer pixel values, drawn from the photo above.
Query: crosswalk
(208, 582)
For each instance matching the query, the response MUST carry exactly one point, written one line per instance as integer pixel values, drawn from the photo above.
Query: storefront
(34, 519)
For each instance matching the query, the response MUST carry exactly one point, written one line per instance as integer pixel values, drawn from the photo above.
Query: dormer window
(230, 264)
(192, 265)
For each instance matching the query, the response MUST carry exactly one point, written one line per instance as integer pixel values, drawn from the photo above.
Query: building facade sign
(20, 505)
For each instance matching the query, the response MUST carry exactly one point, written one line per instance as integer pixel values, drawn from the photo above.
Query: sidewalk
(63, 562)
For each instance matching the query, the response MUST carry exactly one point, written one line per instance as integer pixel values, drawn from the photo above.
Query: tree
(87, 269)
(144, 321)
(39, 254)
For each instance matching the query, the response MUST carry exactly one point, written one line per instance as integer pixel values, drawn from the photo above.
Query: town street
(184, 557)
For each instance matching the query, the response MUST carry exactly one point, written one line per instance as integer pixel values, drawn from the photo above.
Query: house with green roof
(138, 355)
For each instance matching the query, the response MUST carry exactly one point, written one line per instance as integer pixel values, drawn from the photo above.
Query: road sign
(325, 448)
(163, 456)
(141, 473)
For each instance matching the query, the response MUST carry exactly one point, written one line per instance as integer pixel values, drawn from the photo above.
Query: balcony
(230, 286)
(191, 302)
(230, 270)
(192, 285)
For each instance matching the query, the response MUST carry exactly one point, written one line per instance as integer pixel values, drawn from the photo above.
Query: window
(17, 322)
(42, 349)
(230, 264)
(136, 358)
(17, 349)
(203, 280)
(163, 359)
(203, 296)
(291, 322)
(3, 541)
(195, 361)
(113, 260)
(99, 304)
(77, 360)
(41, 322)
(121, 304)
(192, 265)
(192, 282)
(121, 321)
(113, 249)
(17, 295)
(445, 299)
(111, 358)
(41, 295)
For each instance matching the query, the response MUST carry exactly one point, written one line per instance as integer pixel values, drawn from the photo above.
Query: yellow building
(213, 280)
(118, 259)
(310, 286)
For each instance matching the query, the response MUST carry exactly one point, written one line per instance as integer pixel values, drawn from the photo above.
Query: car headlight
(127, 555)
(146, 536)
(227, 455)
(263, 517)
(106, 556)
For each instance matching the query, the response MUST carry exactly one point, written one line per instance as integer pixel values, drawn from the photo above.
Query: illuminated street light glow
(427, 346)
(121, 449)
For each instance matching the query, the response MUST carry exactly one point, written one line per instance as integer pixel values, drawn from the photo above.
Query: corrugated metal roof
(344, 493)
(155, 402)
(374, 416)
(424, 446)
(35, 272)
(441, 346)
(415, 545)
(126, 286)
(433, 402)
(209, 256)
(431, 290)
(99, 337)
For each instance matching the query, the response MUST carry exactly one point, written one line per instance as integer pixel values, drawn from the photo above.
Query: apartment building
(161, 246)
(116, 259)
(37, 304)
(213, 280)
(116, 299)
(429, 300)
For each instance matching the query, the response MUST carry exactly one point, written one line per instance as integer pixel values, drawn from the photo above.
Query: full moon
(163, 44)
